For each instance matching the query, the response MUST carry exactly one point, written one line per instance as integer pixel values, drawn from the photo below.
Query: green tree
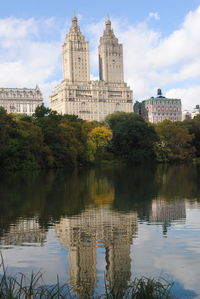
(175, 142)
(64, 135)
(193, 127)
(21, 144)
(42, 111)
(133, 138)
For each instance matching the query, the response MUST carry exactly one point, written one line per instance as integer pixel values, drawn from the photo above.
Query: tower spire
(74, 31)
(108, 25)
(74, 21)
(108, 31)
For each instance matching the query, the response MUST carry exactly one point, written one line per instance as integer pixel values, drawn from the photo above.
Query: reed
(22, 287)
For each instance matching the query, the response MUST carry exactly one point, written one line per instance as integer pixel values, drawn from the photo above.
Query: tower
(91, 100)
(75, 53)
(110, 57)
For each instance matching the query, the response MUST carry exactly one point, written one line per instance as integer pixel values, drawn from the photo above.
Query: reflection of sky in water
(110, 227)
(50, 259)
(175, 258)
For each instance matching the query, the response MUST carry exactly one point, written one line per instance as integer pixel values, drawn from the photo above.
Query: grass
(21, 287)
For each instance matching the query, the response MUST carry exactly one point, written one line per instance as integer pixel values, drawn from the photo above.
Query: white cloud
(190, 96)
(27, 57)
(12, 29)
(182, 46)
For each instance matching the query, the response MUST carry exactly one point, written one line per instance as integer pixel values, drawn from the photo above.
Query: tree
(133, 138)
(99, 138)
(21, 144)
(193, 127)
(175, 142)
(42, 111)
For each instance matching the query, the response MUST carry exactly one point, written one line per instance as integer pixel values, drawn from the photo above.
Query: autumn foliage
(50, 140)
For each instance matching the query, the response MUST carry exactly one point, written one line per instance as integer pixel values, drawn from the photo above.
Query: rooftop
(161, 97)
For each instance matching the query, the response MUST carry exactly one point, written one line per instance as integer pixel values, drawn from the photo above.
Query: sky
(161, 43)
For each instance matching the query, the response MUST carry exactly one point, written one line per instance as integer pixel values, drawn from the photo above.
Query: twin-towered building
(94, 100)
(77, 94)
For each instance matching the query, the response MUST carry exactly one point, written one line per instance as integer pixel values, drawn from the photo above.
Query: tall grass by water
(34, 287)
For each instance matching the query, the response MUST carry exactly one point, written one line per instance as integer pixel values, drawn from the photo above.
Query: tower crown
(74, 21)
(108, 34)
(108, 24)
(74, 32)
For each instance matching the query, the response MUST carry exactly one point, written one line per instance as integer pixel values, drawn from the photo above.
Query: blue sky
(171, 12)
(160, 39)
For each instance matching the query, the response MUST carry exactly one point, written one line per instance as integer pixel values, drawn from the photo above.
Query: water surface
(104, 226)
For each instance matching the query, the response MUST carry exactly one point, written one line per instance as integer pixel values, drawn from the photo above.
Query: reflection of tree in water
(135, 188)
(176, 184)
(53, 194)
(157, 193)
(49, 195)
(178, 181)
(19, 198)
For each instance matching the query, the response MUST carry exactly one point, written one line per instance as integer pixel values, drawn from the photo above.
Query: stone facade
(20, 100)
(91, 100)
(159, 108)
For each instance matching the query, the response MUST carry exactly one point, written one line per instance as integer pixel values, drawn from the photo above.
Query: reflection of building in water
(83, 268)
(192, 204)
(93, 227)
(118, 238)
(118, 269)
(79, 234)
(24, 231)
(167, 212)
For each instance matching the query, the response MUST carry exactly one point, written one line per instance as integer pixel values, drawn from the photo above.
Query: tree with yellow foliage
(100, 138)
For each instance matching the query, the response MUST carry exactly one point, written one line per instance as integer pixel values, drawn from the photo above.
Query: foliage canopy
(50, 140)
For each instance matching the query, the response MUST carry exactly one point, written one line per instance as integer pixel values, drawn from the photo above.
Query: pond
(106, 225)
